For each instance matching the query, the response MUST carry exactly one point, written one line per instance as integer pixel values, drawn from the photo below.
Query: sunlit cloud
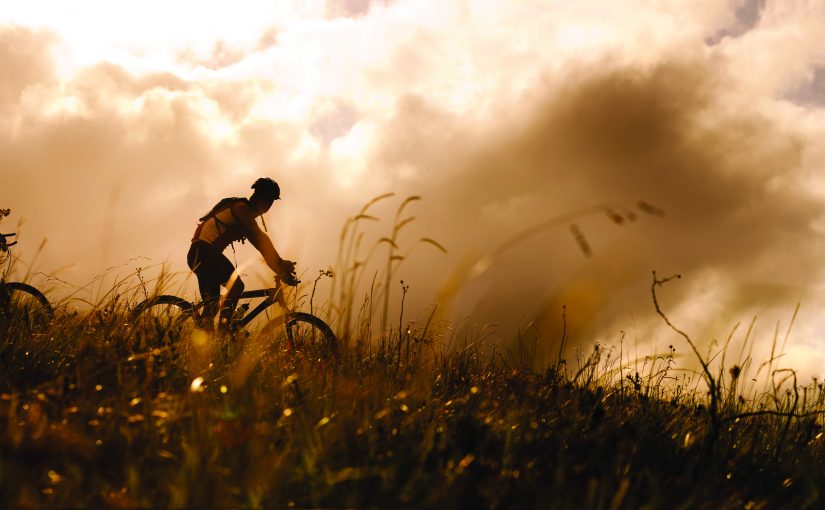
(500, 114)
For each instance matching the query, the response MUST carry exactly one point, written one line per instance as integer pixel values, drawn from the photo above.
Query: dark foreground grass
(92, 416)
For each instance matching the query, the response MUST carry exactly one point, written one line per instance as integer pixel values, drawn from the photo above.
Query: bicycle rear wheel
(165, 317)
(161, 327)
(308, 332)
(20, 303)
(168, 308)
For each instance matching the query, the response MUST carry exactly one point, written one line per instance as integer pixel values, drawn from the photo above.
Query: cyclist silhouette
(233, 219)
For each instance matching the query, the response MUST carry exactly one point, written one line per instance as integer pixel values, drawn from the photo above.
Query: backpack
(222, 205)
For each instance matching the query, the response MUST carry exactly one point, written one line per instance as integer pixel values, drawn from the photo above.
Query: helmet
(267, 187)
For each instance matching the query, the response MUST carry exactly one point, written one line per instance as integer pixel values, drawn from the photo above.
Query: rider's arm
(258, 237)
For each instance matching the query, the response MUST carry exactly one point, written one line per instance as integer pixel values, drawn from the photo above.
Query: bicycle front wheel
(23, 304)
(308, 332)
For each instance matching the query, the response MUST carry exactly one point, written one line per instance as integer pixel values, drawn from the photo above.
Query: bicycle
(20, 301)
(302, 329)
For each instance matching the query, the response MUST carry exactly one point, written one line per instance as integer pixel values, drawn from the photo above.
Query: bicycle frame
(273, 295)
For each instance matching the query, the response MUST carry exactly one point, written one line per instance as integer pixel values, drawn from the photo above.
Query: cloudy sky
(529, 129)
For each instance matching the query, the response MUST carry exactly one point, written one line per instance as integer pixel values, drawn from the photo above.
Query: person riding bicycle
(233, 219)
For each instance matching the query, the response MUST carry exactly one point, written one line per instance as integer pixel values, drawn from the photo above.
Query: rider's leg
(210, 291)
(234, 289)
(212, 269)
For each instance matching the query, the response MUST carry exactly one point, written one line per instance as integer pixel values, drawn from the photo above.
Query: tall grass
(90, 420)
(353, 263)
(98, 410)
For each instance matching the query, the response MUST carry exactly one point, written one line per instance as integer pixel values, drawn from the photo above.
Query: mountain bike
(301, 329)
(20, 302)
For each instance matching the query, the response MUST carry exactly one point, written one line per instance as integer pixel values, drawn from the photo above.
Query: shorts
(211, 266)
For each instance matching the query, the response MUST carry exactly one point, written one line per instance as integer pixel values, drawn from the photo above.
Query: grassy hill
(98, 411)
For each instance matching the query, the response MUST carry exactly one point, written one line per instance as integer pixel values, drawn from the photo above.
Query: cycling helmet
(266, 187)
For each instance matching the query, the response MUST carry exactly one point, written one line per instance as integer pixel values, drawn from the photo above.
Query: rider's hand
(290, 280)
(287, 266)
(287, 272)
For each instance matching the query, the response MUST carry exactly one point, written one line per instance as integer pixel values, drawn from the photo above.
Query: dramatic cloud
(502, 116)
(739, 202)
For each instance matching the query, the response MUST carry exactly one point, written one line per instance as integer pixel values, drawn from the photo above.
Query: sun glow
(154, 30)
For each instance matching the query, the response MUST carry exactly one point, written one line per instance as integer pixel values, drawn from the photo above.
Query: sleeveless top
(220, 227)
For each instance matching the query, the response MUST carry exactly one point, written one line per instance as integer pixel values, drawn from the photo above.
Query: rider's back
(220, 226)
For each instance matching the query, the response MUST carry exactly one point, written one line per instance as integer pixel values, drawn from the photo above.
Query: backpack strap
(223, 204)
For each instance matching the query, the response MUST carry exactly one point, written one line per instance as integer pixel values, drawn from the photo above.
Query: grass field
(100, 410)
(93, 416)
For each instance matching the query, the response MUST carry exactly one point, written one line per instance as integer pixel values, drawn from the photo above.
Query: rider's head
(266, 192)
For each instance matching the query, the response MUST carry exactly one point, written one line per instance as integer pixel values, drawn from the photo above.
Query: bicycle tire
(163, 300)
(318, 334)
(164, 313)
(22, 295)
(160, 328)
